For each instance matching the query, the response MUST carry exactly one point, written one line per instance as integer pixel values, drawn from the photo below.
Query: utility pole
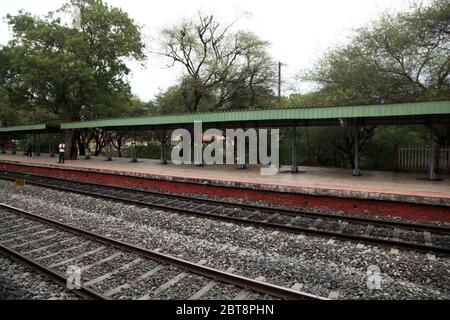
(279, 83)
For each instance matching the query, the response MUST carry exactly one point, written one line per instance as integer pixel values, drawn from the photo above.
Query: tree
(170, 101)
(398, 58)
(76, 71)
(96, 135)
(119, 140)
(8, 116)
(230, 68)
(343, 139)
(403, 57)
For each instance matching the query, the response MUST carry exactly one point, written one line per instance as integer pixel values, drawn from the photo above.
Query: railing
(418, 159)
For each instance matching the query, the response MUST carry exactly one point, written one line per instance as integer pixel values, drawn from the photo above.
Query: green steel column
(431, 171)
(34, 144)
(356, 170)
(51, 145)
(163, 142)
(25, 141)
(133, 147)
(108, 148)
(38, 145)
(108, 153)
(87, 149)
(242, 166)
(294, 167)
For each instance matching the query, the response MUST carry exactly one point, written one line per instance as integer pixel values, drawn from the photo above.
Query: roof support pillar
(133, 153)
(25, 141)
(294, 167)
(87, 154)
(432, 150)
(37, 144)
(34, 144)
(356, 170)
(14, 146)
(108, 146)
(51, 145)
(163, 147)
(241, 155)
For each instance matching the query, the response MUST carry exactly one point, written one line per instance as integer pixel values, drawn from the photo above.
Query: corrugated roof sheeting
(385, 110)
(32, 127)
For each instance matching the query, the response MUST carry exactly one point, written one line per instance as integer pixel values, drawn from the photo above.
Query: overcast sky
(298, 30)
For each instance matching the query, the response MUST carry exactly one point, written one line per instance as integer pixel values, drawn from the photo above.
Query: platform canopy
(32, 128)
(401, 113)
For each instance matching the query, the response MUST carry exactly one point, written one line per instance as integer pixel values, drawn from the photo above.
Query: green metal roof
(31, 127)
(316, 113)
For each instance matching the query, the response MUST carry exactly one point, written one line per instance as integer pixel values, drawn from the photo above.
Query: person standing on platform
(29, 150)
(62, 150)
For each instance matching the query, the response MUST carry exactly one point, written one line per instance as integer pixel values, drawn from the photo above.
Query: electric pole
(279, 83)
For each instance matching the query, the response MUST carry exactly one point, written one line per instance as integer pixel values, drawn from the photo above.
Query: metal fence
(417, 159)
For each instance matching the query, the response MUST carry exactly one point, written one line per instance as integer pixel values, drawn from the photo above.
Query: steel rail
(227, 277)
(282, 227)
(57, 277)
(283, 211)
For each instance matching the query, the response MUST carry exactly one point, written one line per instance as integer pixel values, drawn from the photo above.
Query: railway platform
(375, 192)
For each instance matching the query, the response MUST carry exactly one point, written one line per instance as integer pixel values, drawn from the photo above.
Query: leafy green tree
(8, 116)
(402, 57)
(229, 69)
(170, 101)
(75, 69)
(379, 150)
(398, 58)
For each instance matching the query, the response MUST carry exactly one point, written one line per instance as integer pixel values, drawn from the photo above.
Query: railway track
(416, 236)
(111, 269)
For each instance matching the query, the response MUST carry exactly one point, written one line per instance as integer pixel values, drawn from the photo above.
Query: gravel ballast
(320, 265)
(19, 282)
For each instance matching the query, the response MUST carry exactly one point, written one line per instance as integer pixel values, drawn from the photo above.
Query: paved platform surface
(377, 185)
